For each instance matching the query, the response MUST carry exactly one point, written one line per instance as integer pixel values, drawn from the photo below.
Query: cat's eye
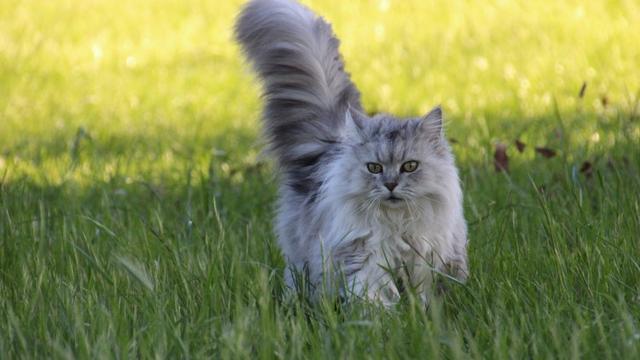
(409, 166)
(374, 168)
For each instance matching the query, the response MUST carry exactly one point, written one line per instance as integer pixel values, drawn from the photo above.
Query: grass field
(135, 207)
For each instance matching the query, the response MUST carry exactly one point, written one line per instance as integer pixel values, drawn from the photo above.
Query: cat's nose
(390, 185)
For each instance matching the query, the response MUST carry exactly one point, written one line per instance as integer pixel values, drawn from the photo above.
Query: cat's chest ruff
(398, 239)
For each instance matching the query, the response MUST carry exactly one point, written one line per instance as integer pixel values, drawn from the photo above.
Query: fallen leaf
(520, 146)
(500, 158)
(546, 152)
(586, 168)
(583, 89)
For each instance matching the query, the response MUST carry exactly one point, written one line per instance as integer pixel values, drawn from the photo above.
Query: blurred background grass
(135, 207)
(160, 79)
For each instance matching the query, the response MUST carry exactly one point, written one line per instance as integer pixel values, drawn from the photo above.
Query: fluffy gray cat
(371, 204)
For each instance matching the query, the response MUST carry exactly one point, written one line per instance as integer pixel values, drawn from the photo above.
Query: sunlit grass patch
(136, 206)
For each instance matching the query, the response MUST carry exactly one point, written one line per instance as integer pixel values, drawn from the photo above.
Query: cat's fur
(334, 219)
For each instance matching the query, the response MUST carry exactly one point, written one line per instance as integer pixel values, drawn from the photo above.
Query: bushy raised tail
(306, 89)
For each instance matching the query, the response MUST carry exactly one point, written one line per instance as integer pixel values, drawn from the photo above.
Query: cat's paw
(458, 269)
(455, 268)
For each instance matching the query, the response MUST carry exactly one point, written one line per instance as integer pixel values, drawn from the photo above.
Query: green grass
(135, 207)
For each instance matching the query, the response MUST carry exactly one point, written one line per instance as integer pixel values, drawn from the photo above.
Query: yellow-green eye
(374, 168)
(409, 166)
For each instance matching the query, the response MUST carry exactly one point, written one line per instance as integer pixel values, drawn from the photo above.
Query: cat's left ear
(432, 124)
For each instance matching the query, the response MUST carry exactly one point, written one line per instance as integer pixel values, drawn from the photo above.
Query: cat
(372, 204)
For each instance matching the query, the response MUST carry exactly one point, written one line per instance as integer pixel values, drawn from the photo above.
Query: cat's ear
(432, 124)
(354, 124)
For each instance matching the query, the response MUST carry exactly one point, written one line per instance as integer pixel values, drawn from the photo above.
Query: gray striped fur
(306, 88)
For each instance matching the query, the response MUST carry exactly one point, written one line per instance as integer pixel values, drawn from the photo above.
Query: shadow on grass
(198, 175)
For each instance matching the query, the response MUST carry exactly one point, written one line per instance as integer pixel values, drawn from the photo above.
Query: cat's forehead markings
(380, 154)
(393, 135)
(377, 129)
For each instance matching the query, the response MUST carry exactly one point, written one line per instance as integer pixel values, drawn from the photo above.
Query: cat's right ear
(432, 125)
(354, 124)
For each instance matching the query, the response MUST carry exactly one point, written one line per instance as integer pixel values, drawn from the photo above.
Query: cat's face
(396, 163)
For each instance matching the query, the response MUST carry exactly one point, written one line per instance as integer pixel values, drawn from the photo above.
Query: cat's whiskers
(433, 199)
(412, 207)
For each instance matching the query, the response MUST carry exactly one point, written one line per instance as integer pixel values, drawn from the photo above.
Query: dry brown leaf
(583, 89)
(586, 168)
(546, 152)
(500, 158)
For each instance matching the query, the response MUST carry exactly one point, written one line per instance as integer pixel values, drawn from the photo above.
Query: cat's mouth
(393, 199)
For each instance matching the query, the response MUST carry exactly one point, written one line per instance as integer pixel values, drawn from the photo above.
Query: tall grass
(135, 207)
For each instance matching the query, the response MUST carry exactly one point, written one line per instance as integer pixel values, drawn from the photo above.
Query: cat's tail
(306, 89)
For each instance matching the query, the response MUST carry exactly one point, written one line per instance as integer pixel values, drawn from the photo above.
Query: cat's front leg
(372, 282)
(457, 268)
(457, 265)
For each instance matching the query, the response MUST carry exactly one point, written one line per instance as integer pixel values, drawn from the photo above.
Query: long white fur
(335, 223)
